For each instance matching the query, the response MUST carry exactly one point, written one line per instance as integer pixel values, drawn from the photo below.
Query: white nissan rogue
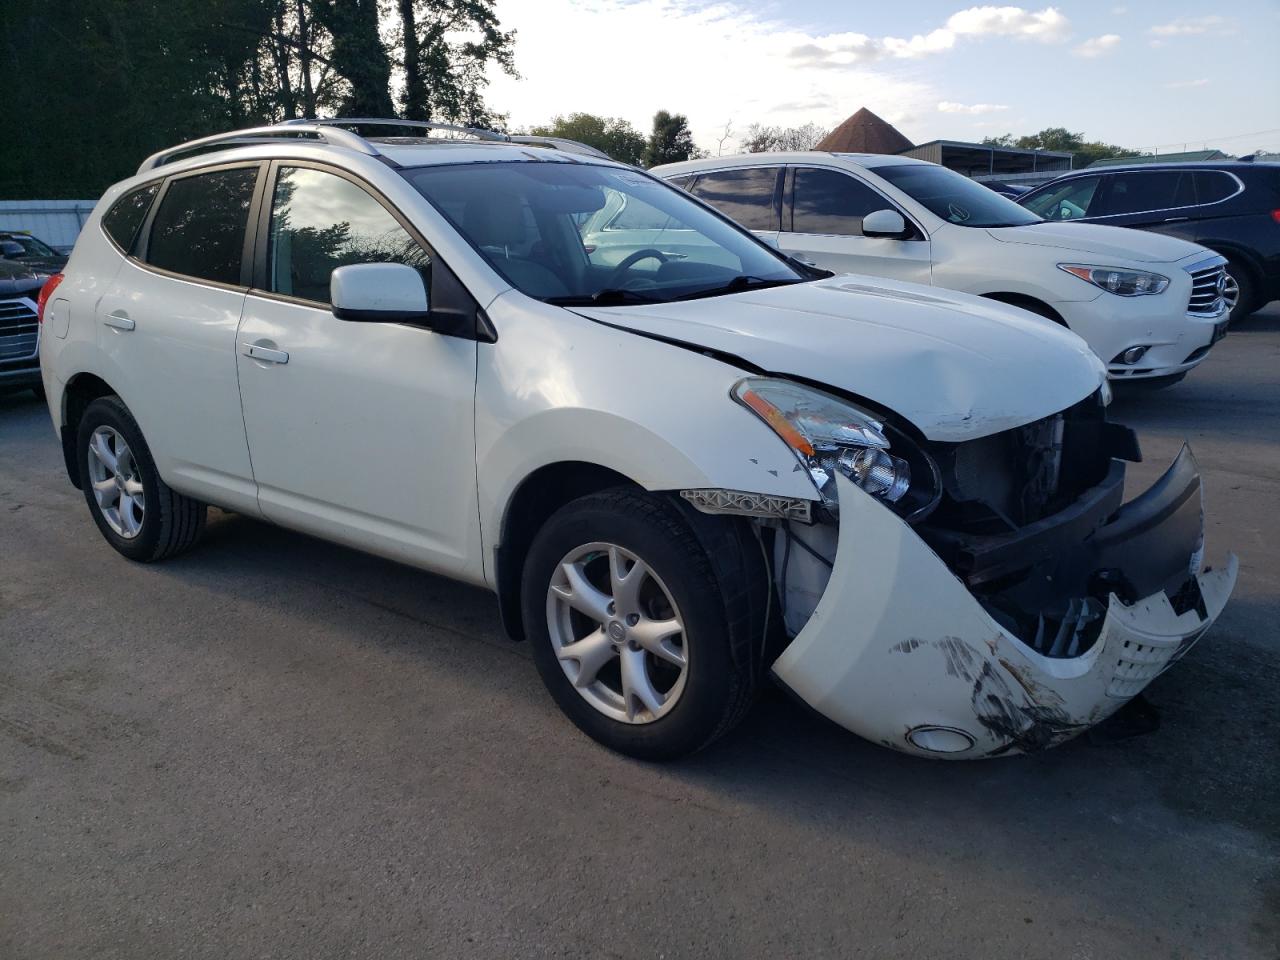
(1150, 306)
(683, 468)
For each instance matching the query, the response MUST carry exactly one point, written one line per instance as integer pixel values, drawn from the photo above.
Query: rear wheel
(629, 628)
(136, 511)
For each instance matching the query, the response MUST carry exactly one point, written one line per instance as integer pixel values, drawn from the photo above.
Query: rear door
(822, 226)
(168, 324)
(1163, 201)
(360, 432)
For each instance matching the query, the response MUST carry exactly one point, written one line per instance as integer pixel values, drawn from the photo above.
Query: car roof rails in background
(333, 131)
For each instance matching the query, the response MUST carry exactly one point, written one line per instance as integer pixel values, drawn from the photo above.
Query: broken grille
(19, 330)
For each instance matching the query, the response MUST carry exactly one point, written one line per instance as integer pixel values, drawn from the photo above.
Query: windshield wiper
(608, 297)
(738, 284)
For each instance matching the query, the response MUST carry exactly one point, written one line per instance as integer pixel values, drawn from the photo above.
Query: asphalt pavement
(277, 748)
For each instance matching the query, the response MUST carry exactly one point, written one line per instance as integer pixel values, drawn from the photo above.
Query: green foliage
(671, 140)
(761, 139)
(97, 85)
(614, 136)
(1060, 138)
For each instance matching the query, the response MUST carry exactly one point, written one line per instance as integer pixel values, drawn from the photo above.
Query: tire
(714, 690)
(1247, 298)
(165, 523)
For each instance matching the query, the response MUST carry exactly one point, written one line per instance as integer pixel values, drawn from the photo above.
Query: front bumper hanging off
(900, 652)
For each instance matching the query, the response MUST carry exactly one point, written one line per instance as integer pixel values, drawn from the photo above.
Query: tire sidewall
(696, 717)
(1244, 283)
(111, 412)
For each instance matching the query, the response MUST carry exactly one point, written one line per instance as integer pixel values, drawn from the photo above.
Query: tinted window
(1214, 185)
(1157, 190)
(684, 183)
(953, 197)
(1066, 201)
(199, 228)
(743, 195)
(320, 222)
(827, 201)
(125, 216)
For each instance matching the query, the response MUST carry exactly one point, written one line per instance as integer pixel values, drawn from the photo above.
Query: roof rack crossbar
(330, 134)
(340, 122)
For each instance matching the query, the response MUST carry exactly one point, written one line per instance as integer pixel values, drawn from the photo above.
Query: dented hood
(1095, 241)
(956, 366)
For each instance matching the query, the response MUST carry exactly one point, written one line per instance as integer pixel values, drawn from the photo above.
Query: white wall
(56, 222)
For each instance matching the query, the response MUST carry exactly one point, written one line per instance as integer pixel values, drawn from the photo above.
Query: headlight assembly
(828, 434)
(1123, 283)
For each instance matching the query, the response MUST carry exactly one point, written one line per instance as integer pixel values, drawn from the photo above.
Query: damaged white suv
(682, 470)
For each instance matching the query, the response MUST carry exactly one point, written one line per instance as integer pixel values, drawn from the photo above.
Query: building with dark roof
(864, 132)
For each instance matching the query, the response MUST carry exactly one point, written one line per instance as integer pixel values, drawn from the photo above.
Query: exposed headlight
(1123, 283)
(828, 434)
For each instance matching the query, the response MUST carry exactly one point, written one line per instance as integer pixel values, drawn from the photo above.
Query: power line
(1206, 140)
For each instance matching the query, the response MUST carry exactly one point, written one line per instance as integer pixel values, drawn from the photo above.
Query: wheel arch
(80, 391)
(1028, 303)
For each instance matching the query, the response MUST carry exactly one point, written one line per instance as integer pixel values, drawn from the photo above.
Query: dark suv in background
(25, 264)
(1231, 207)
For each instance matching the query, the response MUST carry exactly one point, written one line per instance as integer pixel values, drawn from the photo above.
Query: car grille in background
(1206, 291)
(19, 330)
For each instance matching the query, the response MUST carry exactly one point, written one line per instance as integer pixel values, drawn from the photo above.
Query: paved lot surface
(273, 747)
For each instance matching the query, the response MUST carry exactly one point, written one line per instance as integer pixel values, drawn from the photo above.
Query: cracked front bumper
(900, 652)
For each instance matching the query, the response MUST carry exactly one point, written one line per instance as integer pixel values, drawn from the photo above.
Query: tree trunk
(415, 89)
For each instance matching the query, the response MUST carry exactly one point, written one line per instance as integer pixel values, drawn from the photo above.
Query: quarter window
(126, 215)
(199, 228)
(1144, 192)
(1214, 185)
(830, 202)
(743, 195)
(1068, 201)
(320, 222)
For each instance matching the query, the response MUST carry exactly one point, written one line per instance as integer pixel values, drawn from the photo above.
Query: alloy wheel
(617, 633)
(117, 482)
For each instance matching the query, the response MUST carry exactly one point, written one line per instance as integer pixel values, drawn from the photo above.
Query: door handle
(265, 354)
(118, 322)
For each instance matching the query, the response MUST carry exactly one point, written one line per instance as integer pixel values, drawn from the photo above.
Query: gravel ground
(274, 747)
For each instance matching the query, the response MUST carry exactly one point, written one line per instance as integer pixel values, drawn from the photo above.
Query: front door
(359, 432)
(822, 225)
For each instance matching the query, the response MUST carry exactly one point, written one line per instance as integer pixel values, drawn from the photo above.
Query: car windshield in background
(32, 246)
(954, 197)
(576, 233)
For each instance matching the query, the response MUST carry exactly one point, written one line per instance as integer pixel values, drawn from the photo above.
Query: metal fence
(56, 222)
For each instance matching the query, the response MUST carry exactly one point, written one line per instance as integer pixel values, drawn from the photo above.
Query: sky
(1138, 73)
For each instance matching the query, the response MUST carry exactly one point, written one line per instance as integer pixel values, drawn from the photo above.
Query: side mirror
(887, 224)
(379, 293)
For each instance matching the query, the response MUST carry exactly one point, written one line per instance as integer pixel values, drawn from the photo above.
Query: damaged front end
(1014, 606)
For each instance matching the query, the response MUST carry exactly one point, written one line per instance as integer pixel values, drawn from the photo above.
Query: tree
(616, 137)
(671, 140)
(447, 46)
(762, 139)
(1060, 138)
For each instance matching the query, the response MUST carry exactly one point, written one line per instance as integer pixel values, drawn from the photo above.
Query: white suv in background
(682, 468)
(1150, 306)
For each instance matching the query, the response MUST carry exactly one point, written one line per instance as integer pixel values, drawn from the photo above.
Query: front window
(953, 197)
(1066, 201)
(579, 233)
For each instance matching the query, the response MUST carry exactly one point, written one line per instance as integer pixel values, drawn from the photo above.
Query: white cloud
(947, 106)
(1186, 84)
(840, 50)
(713, 63)
(1097, 46)
(1189, 26)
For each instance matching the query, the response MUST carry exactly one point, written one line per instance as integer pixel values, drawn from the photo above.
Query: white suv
(681, 467)
(1150, 306)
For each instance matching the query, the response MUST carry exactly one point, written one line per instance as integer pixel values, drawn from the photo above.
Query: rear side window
(1214, 185)
(830, 202)
(199, 229)
(743, 195)
(126, 215)
(1143, 192)
(1068, 201)
(319, 222)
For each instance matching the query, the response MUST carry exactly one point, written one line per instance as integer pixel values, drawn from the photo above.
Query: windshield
(954, 197)
(579, 233)
(31, 246)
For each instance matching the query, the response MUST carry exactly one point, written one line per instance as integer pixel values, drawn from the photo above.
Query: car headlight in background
(1123, 283)
(828, 434)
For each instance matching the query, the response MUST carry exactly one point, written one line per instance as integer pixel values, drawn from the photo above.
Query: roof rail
(341, 122)
(335, 135)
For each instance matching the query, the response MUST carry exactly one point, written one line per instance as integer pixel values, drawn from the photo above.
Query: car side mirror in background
(379, 293)
(887, 224)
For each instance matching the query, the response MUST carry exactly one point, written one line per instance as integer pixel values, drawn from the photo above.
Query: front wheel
(136, 511)
(1239, 292)
(629, 628)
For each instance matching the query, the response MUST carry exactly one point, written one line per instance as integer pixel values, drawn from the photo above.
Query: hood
(955, 366)
(19, 278)
(1095, 241)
